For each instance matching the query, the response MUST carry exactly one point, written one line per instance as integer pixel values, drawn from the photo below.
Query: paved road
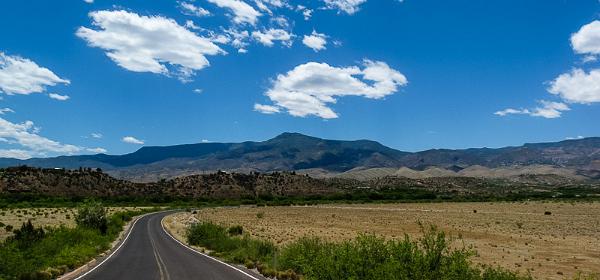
(150, 253)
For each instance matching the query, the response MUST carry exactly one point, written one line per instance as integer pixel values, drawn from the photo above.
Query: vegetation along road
(150, 252)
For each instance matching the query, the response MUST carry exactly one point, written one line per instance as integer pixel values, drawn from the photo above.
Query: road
(150, 253)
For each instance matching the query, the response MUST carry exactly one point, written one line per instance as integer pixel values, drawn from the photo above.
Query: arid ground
(44, 217)
(550, 240)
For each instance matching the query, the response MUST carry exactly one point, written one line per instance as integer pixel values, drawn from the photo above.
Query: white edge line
(115, 251)
(202, 254)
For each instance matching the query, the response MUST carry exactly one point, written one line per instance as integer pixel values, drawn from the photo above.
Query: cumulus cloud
(347, 6)
(59, 97)
(242, 12)
(22, 76)
(88, 1)
(587, 39)
(309, 88)
(26, 135)
(548, 110)
(315, 41)
(149, 43)
(132, 140)
(267, 37)
(193, 10)
(577, 86)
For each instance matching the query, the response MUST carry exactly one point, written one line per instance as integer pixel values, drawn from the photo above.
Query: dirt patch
(548, 240)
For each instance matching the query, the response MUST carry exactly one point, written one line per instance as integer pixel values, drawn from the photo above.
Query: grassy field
(44, 217)
(549, 240)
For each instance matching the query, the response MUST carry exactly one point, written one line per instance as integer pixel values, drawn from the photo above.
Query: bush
(235, 230)
(92, 215)
(239, 249)
(28, 234)
(371, 257)
(366, 257)
(33, 253)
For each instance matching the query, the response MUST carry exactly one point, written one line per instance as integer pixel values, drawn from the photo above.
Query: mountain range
(575, 159)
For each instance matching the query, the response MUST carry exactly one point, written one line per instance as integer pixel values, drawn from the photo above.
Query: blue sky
(105, 76)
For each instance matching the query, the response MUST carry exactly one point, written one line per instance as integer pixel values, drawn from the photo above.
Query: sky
(103, 76)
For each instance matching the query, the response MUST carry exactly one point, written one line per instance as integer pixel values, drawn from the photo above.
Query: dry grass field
(548, 240)
(45, 217)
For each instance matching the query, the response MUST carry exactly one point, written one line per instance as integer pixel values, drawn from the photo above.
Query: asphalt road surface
(150, 253)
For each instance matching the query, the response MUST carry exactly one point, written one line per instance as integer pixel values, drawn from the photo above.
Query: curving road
(151, 253)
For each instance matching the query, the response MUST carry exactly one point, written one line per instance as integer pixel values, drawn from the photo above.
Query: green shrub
(27, 235)
(235, 230)
(366, 257)
(33, 253)
(92, 215)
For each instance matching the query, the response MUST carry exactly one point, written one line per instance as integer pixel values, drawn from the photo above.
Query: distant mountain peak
(293, 137)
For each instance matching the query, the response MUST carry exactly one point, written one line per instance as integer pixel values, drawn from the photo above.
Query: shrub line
(203, 254)
(87, 268)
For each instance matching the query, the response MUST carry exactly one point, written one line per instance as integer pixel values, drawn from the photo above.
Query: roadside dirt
(546, 239)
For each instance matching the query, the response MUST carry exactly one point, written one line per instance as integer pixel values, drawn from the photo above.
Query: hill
(575, 159)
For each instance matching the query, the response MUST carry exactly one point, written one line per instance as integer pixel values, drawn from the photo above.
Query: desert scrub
(367, 257)
(233, 247)
(370, 257)
(36, 253)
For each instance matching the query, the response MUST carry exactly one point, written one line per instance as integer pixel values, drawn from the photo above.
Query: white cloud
(192, 10)
(97, 150)
(347, 6)
(198, 90)
(89, 1)
(587, 39)
(574, 138)
(26, 135)
(306, 12)
(15, 153)
(589, 58)
(22, 76)
(268, 36)
(96, 135)
(242, 12)
(189, 24)
(548, 110)
(149, 43)
(204, 141)
(59, 97)
(308, 88)
(132, 140)
(263, 7)
(6, 110)
(237, 38)
(577, 86)
(266, 109)
(315, 41)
